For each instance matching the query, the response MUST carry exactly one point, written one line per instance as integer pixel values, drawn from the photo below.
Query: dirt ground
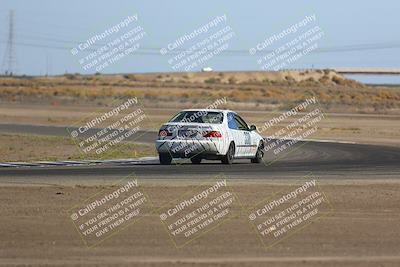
(361, 229)
(25, 147)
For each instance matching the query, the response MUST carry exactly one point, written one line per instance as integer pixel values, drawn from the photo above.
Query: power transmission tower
(9, 59)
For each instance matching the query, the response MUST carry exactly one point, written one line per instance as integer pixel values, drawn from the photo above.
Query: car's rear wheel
(196, 160)
(259, 154)
(228, 158)
(165, 158)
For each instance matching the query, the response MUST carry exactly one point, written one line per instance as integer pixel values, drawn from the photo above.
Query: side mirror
(253, 128)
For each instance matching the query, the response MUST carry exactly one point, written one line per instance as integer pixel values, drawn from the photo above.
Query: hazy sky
(46, 30)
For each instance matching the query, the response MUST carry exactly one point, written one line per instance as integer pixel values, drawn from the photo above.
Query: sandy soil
(25, 147)
(361, 230)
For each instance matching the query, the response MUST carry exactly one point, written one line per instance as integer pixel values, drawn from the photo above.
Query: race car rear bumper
(189, 148)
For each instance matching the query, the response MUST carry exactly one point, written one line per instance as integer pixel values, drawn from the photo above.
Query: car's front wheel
(165, 158)
(228, 158)
(259, 155)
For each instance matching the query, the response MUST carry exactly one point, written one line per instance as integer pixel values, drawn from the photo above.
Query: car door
(247, 144)
(235, 133)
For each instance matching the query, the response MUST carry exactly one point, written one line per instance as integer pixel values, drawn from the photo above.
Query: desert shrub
(324, 79)
(308, 82)
(232, 80)
(338, 80)
(131, 77)
(267, 81)
(212, 80)
(289, 78)
(70, 76)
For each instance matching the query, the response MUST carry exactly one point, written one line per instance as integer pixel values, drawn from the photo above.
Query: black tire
(196, 160)
(259, 154)
(165, 158)
(230, 154)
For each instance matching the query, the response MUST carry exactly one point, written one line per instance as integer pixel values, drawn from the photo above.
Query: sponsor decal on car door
(247, 145)
(237, 134)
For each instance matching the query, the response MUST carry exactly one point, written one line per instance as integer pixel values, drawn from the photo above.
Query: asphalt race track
(328, 160)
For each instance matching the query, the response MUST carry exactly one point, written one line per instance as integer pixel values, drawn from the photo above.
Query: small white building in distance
(206, 69)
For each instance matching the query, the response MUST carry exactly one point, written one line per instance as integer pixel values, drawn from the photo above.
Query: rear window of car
(201, 116)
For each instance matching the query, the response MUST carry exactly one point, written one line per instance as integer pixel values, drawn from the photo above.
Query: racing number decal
(247, 138)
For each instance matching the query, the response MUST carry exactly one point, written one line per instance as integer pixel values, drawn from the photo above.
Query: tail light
(163, 133)
(213, 134)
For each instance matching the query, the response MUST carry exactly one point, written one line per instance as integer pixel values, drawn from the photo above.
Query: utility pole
(48, 63)
(9, 59)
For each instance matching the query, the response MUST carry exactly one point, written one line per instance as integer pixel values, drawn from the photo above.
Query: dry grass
(266, 91)
(33, 147)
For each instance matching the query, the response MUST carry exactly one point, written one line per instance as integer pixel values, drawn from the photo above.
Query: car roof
(212, 110)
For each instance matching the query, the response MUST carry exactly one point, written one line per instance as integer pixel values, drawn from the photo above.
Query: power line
(155, 50)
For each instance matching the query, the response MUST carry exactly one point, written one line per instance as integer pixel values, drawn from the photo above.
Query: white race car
(208, 134)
